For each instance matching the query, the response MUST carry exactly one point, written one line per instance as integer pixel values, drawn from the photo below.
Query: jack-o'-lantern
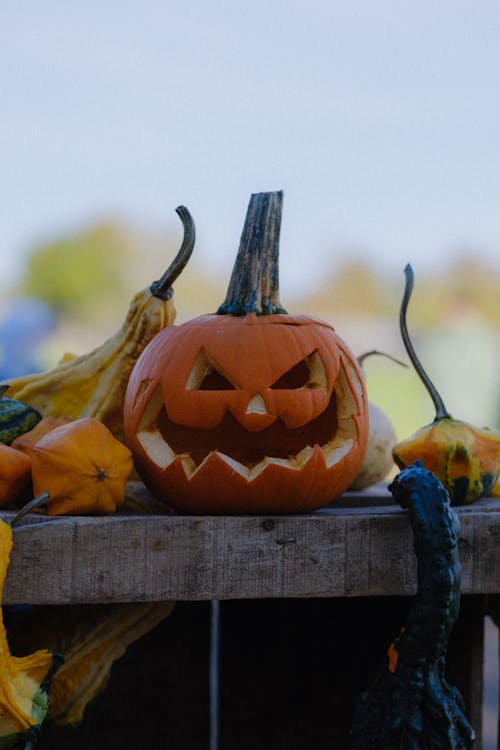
(250, 409)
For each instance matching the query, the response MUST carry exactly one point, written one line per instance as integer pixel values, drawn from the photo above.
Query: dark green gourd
(410, 705)
(16, 418)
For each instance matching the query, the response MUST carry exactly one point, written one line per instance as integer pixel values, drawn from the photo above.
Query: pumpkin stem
(162, 288)
(441, 410)
(254, 284)
(35, 503)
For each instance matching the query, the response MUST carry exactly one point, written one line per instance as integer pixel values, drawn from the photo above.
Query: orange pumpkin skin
(15, 474)
(215, 426)
(83, 467)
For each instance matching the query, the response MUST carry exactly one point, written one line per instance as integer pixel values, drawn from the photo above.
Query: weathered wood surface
(360, 546)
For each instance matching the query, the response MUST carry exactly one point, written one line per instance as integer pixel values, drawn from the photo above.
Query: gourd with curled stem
(410, 705)
(465, 458)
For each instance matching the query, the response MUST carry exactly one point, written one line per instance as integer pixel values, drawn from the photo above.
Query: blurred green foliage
(89, 277)
(466, 286)
(81, 276)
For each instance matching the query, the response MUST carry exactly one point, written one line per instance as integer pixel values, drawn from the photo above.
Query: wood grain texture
(360, 546)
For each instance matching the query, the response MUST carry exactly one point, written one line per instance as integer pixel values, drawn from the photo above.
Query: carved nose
(256, 405)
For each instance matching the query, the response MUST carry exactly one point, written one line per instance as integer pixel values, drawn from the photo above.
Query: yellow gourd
(91, 638)
(24, 681)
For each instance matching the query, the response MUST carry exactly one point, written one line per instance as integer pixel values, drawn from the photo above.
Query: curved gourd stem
(37, 501)
(376, 352)
(254, 283)
(162, 288)
(441, 410)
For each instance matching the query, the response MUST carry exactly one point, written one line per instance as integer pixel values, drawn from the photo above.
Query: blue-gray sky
(380, 121)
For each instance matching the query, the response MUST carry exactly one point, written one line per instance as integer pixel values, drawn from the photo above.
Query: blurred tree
(88, 279)
(354, 289)
(468, 287)
(82, 276)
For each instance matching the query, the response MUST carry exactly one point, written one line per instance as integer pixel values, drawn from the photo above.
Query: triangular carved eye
(215, 381)
(309, 373)
(206, 375)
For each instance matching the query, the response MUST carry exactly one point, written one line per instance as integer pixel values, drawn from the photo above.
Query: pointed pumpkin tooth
(304, 456)
(215, 457)
(268, 461)
(188, 464)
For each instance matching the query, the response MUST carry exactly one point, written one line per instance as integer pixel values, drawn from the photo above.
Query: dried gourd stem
(35, 503)
(162, 288)
(254, 284)
(372, 352)
(441, 410)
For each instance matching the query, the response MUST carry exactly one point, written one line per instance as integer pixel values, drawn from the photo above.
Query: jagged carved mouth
(248, 453)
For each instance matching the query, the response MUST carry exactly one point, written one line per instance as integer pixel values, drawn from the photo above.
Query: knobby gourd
(250, 409)
(25, 680)
(94, 384)
(465, 458)
(410, 705)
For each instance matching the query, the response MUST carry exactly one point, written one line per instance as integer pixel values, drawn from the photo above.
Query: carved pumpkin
(250, 409)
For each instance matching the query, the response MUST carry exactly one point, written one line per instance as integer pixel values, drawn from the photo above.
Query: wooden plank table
(309, 605)
(359, 546)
